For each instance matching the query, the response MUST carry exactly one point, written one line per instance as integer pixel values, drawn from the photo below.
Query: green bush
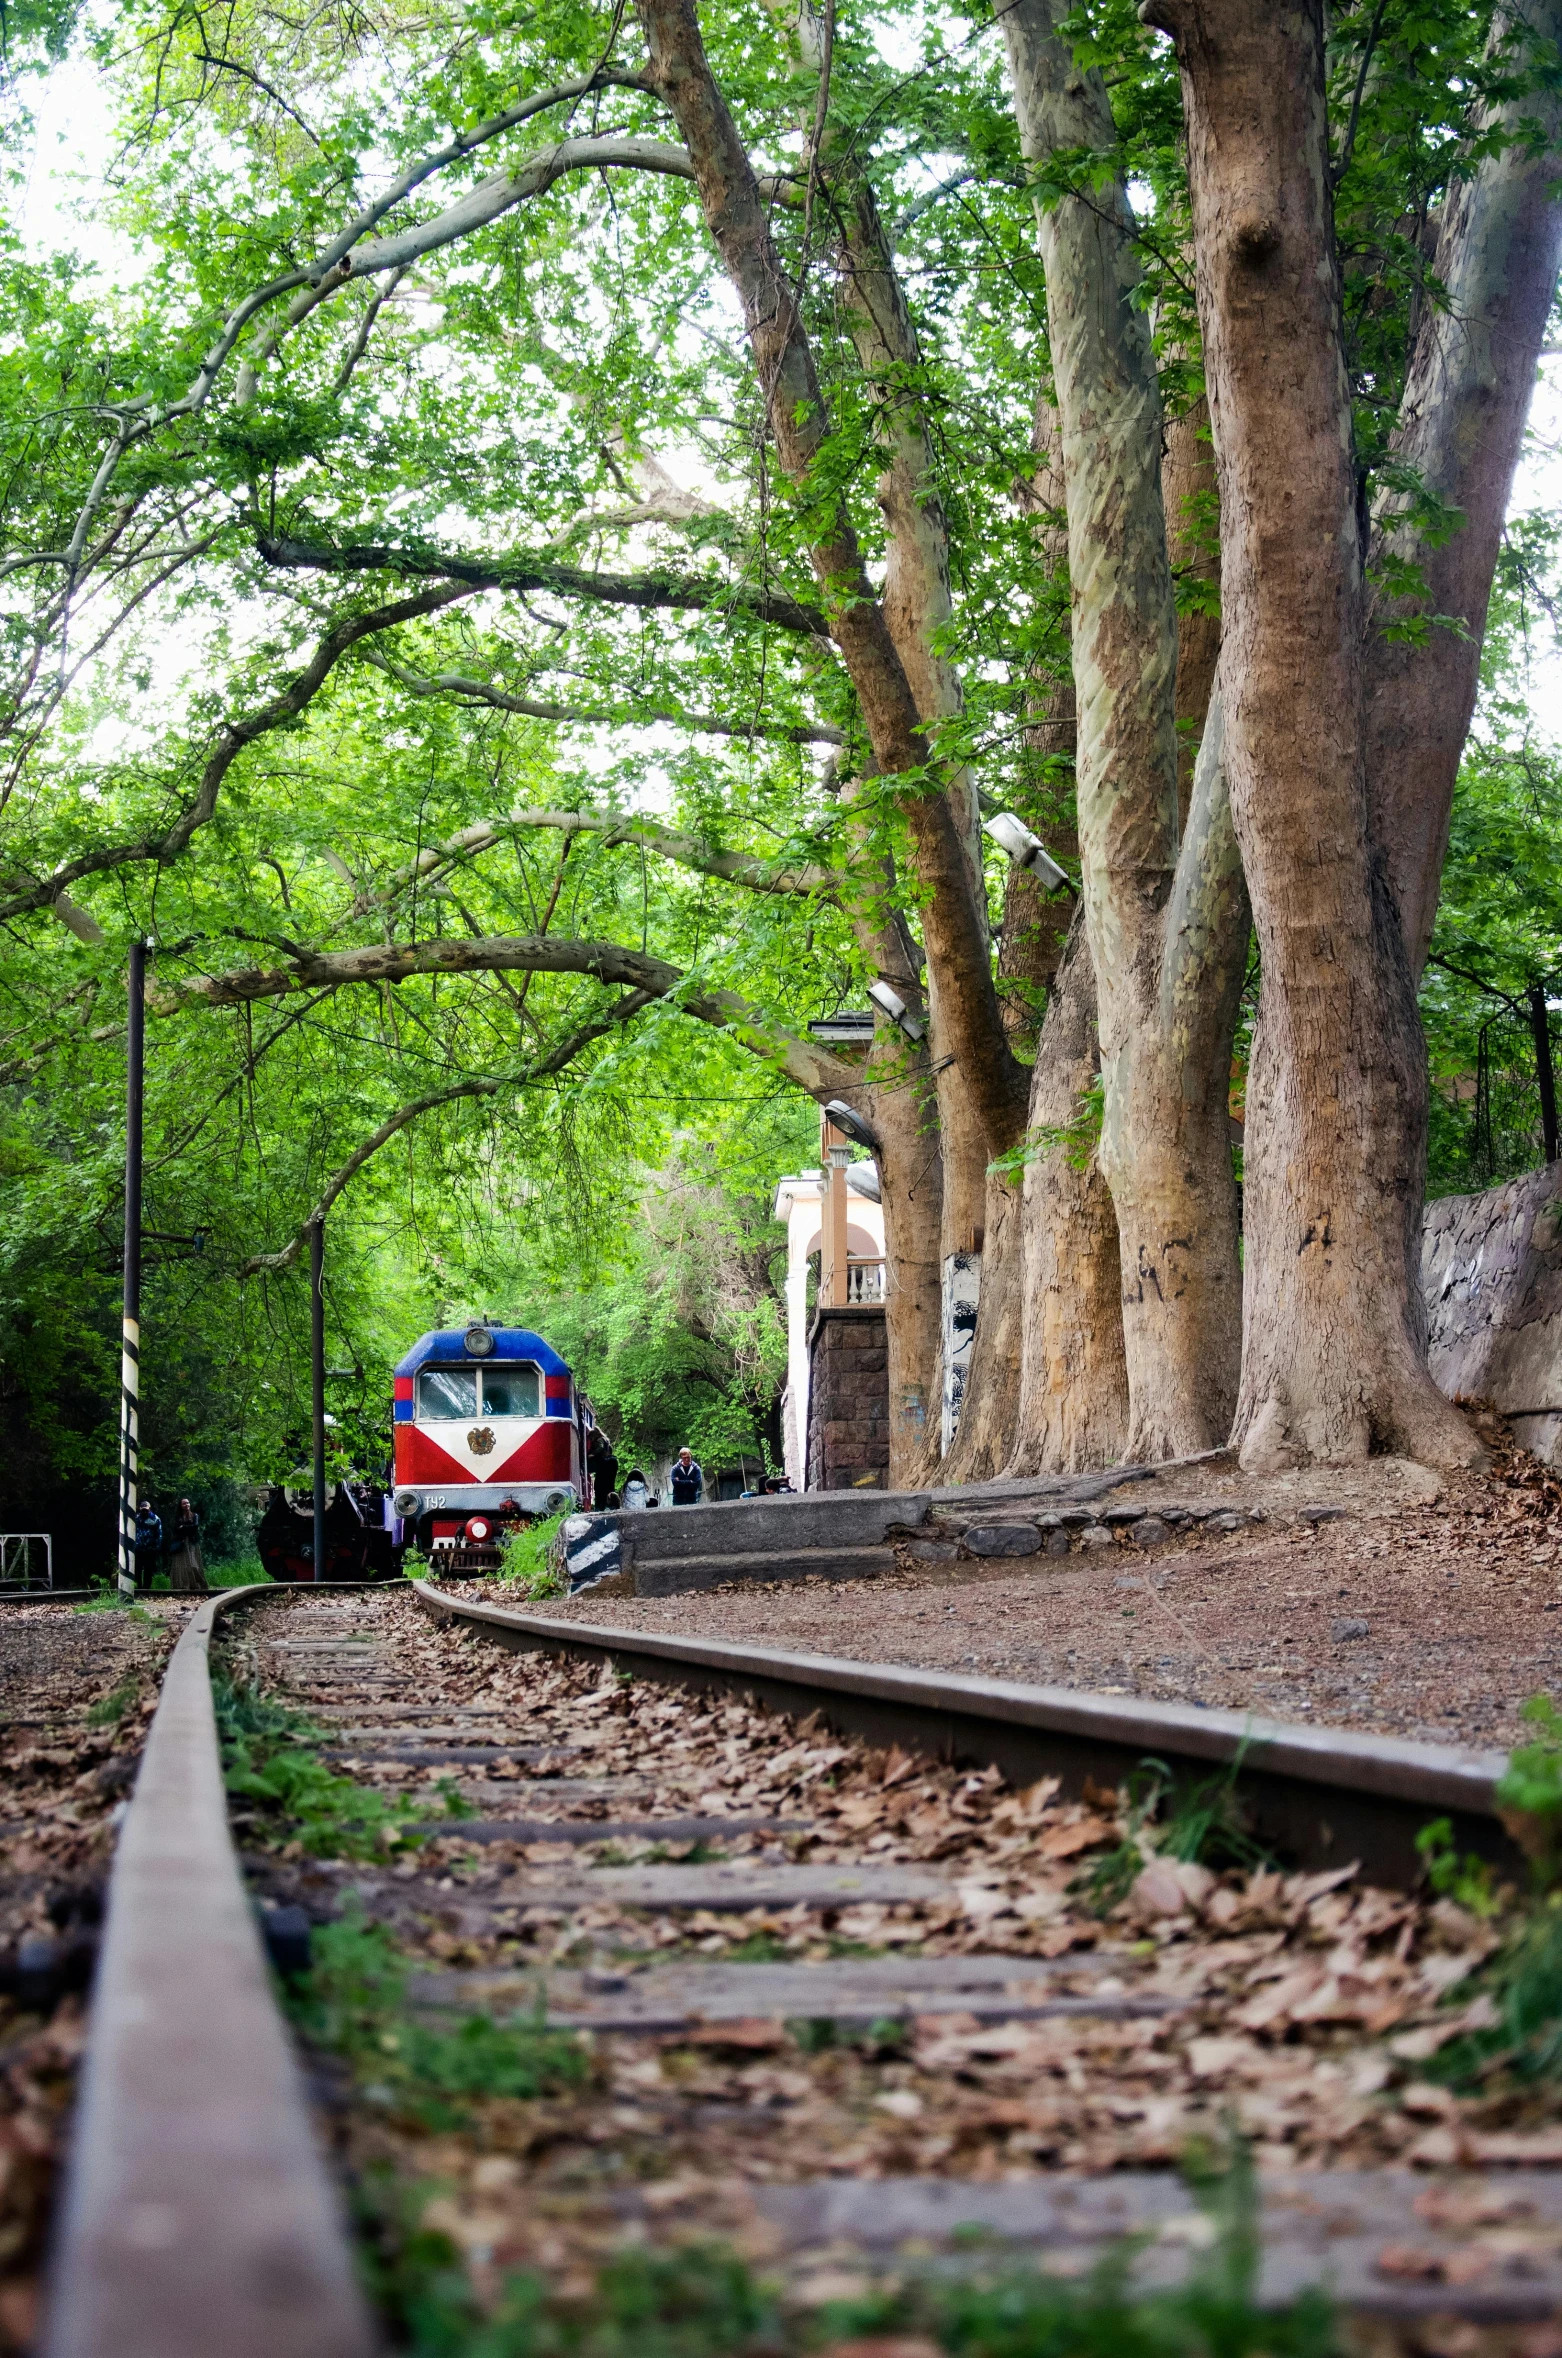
(246, 1571)
(1529, 1795)
(529, 1564)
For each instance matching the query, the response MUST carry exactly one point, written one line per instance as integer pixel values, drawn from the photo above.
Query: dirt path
(1370, 1601)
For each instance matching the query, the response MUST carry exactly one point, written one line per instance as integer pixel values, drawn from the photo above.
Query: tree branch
(464, 144)
(669, 843)
(234, 737)
(522, 572)
(808, 1066)
(455, 683)
(488, 1086)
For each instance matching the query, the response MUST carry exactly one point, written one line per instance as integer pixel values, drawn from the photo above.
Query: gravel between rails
(1302, 2007)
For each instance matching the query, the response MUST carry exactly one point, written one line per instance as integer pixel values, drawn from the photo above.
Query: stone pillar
(848, 1399)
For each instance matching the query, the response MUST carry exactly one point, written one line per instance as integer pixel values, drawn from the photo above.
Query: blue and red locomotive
(490, 1428)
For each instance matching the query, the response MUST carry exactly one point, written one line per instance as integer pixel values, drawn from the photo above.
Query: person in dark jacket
(688, 1480)
(149, 1542)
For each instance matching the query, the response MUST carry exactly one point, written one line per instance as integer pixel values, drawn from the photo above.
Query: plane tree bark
(1460, 428)
(1167, 924)
(1333, 1361)
(738, 222)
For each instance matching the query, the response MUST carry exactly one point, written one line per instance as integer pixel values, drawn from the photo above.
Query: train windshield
(449, 1395)
(445, 1393)
(512, 1391)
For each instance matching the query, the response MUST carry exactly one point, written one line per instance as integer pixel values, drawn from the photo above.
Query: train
(490, 1431)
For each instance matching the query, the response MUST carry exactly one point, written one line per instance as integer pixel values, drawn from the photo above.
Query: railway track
(804, 1956)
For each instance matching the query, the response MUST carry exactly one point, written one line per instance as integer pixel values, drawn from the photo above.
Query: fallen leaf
(1157, 1891)
(1210, 2059)
(1417, 2263)
(750, 2037)
(1066, 1842)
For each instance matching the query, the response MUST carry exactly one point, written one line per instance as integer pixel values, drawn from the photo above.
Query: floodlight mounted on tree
(894, 1006)
(1026, 850)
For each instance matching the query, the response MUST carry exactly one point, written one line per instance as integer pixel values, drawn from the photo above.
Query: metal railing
(20, 1560)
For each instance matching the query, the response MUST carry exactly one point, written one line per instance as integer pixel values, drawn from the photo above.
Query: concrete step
(839, 1519)
(798, 1563)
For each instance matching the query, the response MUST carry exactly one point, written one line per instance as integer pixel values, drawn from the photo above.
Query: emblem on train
(480, 1440)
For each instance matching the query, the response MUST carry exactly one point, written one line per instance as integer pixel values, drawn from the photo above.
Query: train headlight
(479, 1342)
(406, 1502)
(479, 1528)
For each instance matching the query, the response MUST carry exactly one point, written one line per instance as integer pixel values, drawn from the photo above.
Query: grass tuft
(1203, 1828)
(110, 1709)
(352, 2002)
(269, 1758)
(532, 1566)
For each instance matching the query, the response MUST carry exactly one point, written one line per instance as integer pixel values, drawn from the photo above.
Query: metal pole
(130, 1326)
(317, 1374)
(1544, 1072)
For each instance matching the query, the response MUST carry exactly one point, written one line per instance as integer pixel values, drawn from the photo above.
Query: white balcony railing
(864, 1281)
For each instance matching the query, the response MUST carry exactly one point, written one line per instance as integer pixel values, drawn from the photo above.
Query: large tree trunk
(903, 1117)
(967, 1026)
(739, 224)
(1073, 1378)
(1334, 1360)
(1461, 425)
(897, 1098)
(917, 607)
(1164, 1054)
(1188, 491)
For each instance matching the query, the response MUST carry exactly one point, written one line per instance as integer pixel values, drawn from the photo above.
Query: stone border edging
(199, 2217)
(1324, 1795)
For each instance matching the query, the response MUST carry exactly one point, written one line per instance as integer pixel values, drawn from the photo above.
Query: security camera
(1025, 849)
(894, 1006)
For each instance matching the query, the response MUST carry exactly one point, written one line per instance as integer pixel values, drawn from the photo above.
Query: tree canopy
(523, 595)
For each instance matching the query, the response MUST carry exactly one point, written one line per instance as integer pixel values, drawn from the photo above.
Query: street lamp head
(890, 1002)
(848, 1120)
(1025, 850)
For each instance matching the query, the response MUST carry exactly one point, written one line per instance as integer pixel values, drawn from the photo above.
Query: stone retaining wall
(1491, 1272)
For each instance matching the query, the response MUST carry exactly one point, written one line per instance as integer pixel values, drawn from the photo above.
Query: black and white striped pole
(317, 1381)
(130, 1330)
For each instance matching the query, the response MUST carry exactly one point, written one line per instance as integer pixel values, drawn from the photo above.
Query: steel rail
(1321, 1796)
(199, 2220)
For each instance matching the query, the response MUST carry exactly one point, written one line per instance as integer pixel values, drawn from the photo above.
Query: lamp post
(832, 1271)
(130, 1317)
(317, 1377)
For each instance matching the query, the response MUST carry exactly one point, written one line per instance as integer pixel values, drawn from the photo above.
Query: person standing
(636, 1493)
(186, 1566)
(149, 1542)
(688, 1479)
